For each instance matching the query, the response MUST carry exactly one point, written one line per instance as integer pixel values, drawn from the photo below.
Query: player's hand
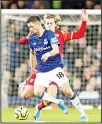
(84, 15)
(45, 56)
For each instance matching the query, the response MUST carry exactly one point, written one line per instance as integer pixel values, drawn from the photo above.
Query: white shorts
(56, 75)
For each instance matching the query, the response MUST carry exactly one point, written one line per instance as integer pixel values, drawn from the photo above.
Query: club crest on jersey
(45, 41)
(34, 43)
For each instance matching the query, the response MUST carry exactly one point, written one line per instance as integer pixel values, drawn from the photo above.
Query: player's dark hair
(33, 19)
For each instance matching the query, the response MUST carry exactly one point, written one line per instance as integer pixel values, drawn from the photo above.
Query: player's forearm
(82, 29)
(32, 61)
(54, 52)
(80, 32)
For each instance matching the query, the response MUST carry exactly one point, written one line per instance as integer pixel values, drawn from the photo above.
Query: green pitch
(54, 115)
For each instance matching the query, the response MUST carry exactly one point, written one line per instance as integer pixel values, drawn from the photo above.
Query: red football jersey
(61, 38)
(66, 36)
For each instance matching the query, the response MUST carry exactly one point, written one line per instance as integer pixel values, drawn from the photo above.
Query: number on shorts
(60, 75)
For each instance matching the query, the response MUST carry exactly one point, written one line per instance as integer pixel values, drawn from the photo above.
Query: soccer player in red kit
(51, 21)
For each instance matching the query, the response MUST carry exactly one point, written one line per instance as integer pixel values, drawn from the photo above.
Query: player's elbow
(56, 51)
(23, 40)
(78, 36)
(82, 35)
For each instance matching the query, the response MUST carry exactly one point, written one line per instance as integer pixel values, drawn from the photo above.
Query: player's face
(50, 24)
(34, 27)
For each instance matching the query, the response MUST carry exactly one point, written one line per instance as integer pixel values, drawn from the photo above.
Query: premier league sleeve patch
(54, 41)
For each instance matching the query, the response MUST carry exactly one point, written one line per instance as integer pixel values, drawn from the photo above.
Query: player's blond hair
(56, 17)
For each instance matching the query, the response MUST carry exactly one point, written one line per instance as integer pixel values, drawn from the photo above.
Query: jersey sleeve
(75, 35)
(30, 45)
(52, 38)
(80, 33)
(67, 36)
(23, 40)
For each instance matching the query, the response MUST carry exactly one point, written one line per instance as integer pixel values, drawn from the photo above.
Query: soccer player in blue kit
(44, 44)
(68, 92)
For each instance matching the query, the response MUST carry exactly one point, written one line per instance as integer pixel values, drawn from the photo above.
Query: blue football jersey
(42, 45)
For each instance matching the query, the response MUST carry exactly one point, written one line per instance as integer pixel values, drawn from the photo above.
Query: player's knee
(24, 95)
(27, 96)
(20, 94)
(52, 90)
(37, 93)
(69, 93)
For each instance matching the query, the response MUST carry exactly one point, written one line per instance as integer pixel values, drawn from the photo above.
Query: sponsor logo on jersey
(34, 43)
(41, 48)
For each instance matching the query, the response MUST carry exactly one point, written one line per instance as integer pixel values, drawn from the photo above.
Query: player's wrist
(27, 37)
(49, 54)
(84, 21)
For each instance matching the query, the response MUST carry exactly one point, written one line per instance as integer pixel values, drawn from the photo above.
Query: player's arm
(31, 78)
(54, 44)
(32, 65)
(24, 40)
(55, 50)
(32, 61)
(80, 33)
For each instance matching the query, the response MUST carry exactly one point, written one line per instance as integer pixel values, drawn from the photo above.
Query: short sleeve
(30, 45)
(52, 38)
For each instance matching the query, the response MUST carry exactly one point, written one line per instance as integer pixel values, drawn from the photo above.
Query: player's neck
(53, 30)
(41, 32)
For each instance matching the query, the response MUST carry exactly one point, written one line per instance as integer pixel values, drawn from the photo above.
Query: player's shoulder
(48, 31)
(31, 38)
(59, 32)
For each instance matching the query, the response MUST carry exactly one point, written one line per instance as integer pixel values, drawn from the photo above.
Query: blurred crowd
(51, 4)
(81, 57)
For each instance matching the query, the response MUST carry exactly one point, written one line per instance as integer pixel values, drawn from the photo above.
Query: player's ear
(57, 26)
(44, 21)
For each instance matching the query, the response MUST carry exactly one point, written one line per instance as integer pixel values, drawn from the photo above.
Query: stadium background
(82, 59)
(51, 4)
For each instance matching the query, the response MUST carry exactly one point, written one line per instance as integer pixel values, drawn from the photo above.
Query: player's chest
(40, 42)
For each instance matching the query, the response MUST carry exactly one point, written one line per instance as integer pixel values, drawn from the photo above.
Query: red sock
(43, 104)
